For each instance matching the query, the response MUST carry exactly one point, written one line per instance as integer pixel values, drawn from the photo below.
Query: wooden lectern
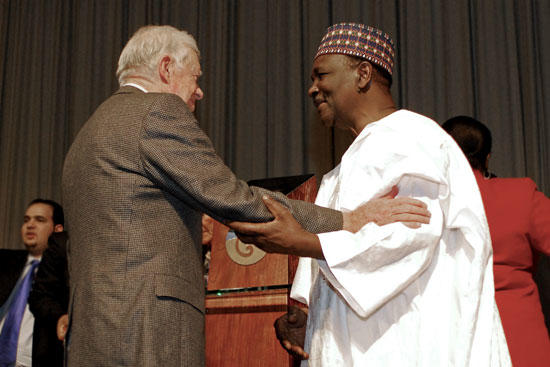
(248, 289)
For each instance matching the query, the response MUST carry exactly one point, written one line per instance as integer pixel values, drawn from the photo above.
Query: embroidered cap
(359, 40)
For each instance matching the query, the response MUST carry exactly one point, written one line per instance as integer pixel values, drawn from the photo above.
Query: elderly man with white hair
(135, 182)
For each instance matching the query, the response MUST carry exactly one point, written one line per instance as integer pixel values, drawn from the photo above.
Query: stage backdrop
(485, 58)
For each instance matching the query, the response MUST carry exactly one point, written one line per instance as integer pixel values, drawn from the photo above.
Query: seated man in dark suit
(48, 301)
(17, 268)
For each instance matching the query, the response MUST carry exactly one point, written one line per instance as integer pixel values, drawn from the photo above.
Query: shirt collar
(135, 86)
(30, 258)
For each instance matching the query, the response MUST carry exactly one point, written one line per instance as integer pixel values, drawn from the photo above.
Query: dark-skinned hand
(282, 235)
(291, 331)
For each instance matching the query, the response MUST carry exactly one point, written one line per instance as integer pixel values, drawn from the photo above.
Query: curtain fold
(488, 59)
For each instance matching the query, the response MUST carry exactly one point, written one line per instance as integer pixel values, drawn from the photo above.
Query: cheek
(46, 229)
(185, 93)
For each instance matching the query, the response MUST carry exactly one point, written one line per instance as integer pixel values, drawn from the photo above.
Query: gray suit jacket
(135, 181)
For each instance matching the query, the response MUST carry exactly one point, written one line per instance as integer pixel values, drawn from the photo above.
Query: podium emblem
(242, 253)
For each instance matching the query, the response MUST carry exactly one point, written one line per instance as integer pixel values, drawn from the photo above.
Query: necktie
(10, 331)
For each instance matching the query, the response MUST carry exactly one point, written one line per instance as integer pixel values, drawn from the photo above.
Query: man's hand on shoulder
(388, 209)
(285, 235)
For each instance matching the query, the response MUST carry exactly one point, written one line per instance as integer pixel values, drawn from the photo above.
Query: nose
(199, 93)
(313, 90)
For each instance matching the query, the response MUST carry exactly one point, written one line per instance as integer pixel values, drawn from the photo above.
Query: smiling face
(185, 82)
(37, 227)
(334, 84)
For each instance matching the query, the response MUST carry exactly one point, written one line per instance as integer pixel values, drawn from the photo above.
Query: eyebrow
(33, 216)
(314, 71)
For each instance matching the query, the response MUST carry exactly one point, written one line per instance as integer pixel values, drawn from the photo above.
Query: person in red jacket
(519, 222)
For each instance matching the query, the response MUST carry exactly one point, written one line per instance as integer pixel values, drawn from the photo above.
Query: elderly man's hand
(388, 209)
(291, 331)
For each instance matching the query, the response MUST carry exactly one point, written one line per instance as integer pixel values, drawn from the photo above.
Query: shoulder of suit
(59, 238)
(11, 256)
(12, 252)
(171, 103)
(517, 190)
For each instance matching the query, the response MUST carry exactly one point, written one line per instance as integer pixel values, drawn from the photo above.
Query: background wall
(485, 58)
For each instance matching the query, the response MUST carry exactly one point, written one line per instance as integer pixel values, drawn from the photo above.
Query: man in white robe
(390, 295)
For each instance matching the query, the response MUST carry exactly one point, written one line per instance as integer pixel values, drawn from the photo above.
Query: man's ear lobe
(364, 75)
(164, 69)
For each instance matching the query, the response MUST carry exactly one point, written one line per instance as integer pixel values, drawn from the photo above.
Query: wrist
(310, 246)
(347, 221)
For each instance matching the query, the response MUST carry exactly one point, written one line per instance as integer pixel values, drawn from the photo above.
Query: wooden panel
(239, 326)
(224, 273)
(244, 339)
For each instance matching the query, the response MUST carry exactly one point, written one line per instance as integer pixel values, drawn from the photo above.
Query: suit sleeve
(178, 156)
(49, 295)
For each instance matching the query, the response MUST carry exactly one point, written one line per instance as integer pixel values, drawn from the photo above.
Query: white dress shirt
(395, 296)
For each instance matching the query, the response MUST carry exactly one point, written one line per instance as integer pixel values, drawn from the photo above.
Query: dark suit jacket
(48, 301)
(12, 263)
(135, 181)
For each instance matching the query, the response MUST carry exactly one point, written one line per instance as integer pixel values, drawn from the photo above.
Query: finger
(393, 192)
(276, 208)
(61, 333)
(410, 201)
(247, 238)
(411, 209)
(406, 217)
(296, 350)
(412, 225)
(246, 227)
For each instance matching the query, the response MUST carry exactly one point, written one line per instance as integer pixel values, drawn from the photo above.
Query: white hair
(148, 45)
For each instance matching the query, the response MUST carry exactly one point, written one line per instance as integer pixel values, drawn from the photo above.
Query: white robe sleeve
(372, 266)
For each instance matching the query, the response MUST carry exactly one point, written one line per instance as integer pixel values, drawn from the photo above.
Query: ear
(58, 228)
(487, 161)
(364, 75)
(164, 69)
